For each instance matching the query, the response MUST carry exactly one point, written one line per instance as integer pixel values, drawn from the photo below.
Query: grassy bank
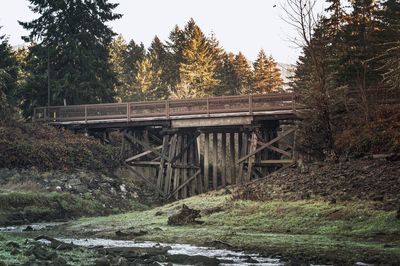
(309, 229)
(18, 250)
(29, 207)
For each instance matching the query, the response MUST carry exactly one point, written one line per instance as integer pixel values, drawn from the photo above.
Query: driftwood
(56, 244)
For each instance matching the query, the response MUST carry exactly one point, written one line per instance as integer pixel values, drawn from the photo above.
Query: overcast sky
(239, 25)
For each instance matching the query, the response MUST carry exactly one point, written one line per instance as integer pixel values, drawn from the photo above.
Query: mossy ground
(311, 229)
(30, 207)
(76, 256)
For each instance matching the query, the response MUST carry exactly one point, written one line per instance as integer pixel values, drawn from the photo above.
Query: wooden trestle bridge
(186, 147)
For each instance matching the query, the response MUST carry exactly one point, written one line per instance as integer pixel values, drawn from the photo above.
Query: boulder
(185, 215)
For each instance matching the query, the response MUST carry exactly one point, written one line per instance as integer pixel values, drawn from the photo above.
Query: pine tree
(148, 83)
(244, 74)
(162, 59)
(389, 43)
(8, 78)
(198, 66)
(118, 53)
(267, 76)
(229, 84)
(175, 46)
(74, 36)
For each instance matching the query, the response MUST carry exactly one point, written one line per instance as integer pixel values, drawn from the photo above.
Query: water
(234, 257)
(35, 227)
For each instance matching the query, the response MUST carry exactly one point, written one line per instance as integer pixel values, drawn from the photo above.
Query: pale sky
(239, 25)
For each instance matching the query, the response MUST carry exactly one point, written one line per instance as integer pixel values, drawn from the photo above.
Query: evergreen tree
(229, 84)
(389, 43)
(162, 59)
(198, 66)
(118, 53)
(244, 74)
(74, 37)
(8, 78)
(148, 84)
(267, 76)
(175, 46)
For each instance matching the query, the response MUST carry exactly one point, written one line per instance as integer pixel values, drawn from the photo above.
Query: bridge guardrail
(166, 108)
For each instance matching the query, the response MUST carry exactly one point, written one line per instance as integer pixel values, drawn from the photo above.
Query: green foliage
(46, 148)
(244, 74)
(267, 76)
(8, 78)
(71, 39)
(197, 70)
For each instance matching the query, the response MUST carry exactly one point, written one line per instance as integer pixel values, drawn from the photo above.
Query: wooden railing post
(250, 104)
(86, 114)
(128, 112)
(45, 114)
(167, 111)
(208, 106)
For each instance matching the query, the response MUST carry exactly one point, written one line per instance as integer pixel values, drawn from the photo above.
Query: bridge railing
(166, 108)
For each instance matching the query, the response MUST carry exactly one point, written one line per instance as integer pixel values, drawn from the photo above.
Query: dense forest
(349, 61)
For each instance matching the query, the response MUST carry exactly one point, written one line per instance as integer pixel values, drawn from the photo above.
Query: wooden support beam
(142, 154)
(198, 183)
(288, 154)
(192, 160)
(243, 152)
(232, 157)
(266, 145)
(223, 160)
(177, 172)
(253, 146)
(276, 161)
(187, 146)
(206, 160)
(215, 161)
(184, 164)
(135, 140)
(145, 163)
(184, 183)
(161, 170)
(137, 173)
(168, 175)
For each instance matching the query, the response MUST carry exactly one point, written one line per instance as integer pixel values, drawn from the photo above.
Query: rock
(185, 216)
(103, 261)
(193, 260)
(122, 188)
(158, 213)
(250, 260)
(378, 198)
(28, 229)
(58, 188)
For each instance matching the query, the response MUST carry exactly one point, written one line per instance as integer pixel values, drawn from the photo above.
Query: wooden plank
(253, 146)
(192, 157)
(215, 161)
(185, 183)
(266, 145)
(133, 170)
(185, 164)
(177, 172)
(223, 160)
(196, 160)
(232, 157)
(161, 170)
(142, 154)
(187, 146)
(276, 161)
(288, 154)
(243, 152)
(145, 163)
(206, 160)
(168, 176)
(135, 140)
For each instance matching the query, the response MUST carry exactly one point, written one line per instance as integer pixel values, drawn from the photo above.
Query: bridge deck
(274, 106)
